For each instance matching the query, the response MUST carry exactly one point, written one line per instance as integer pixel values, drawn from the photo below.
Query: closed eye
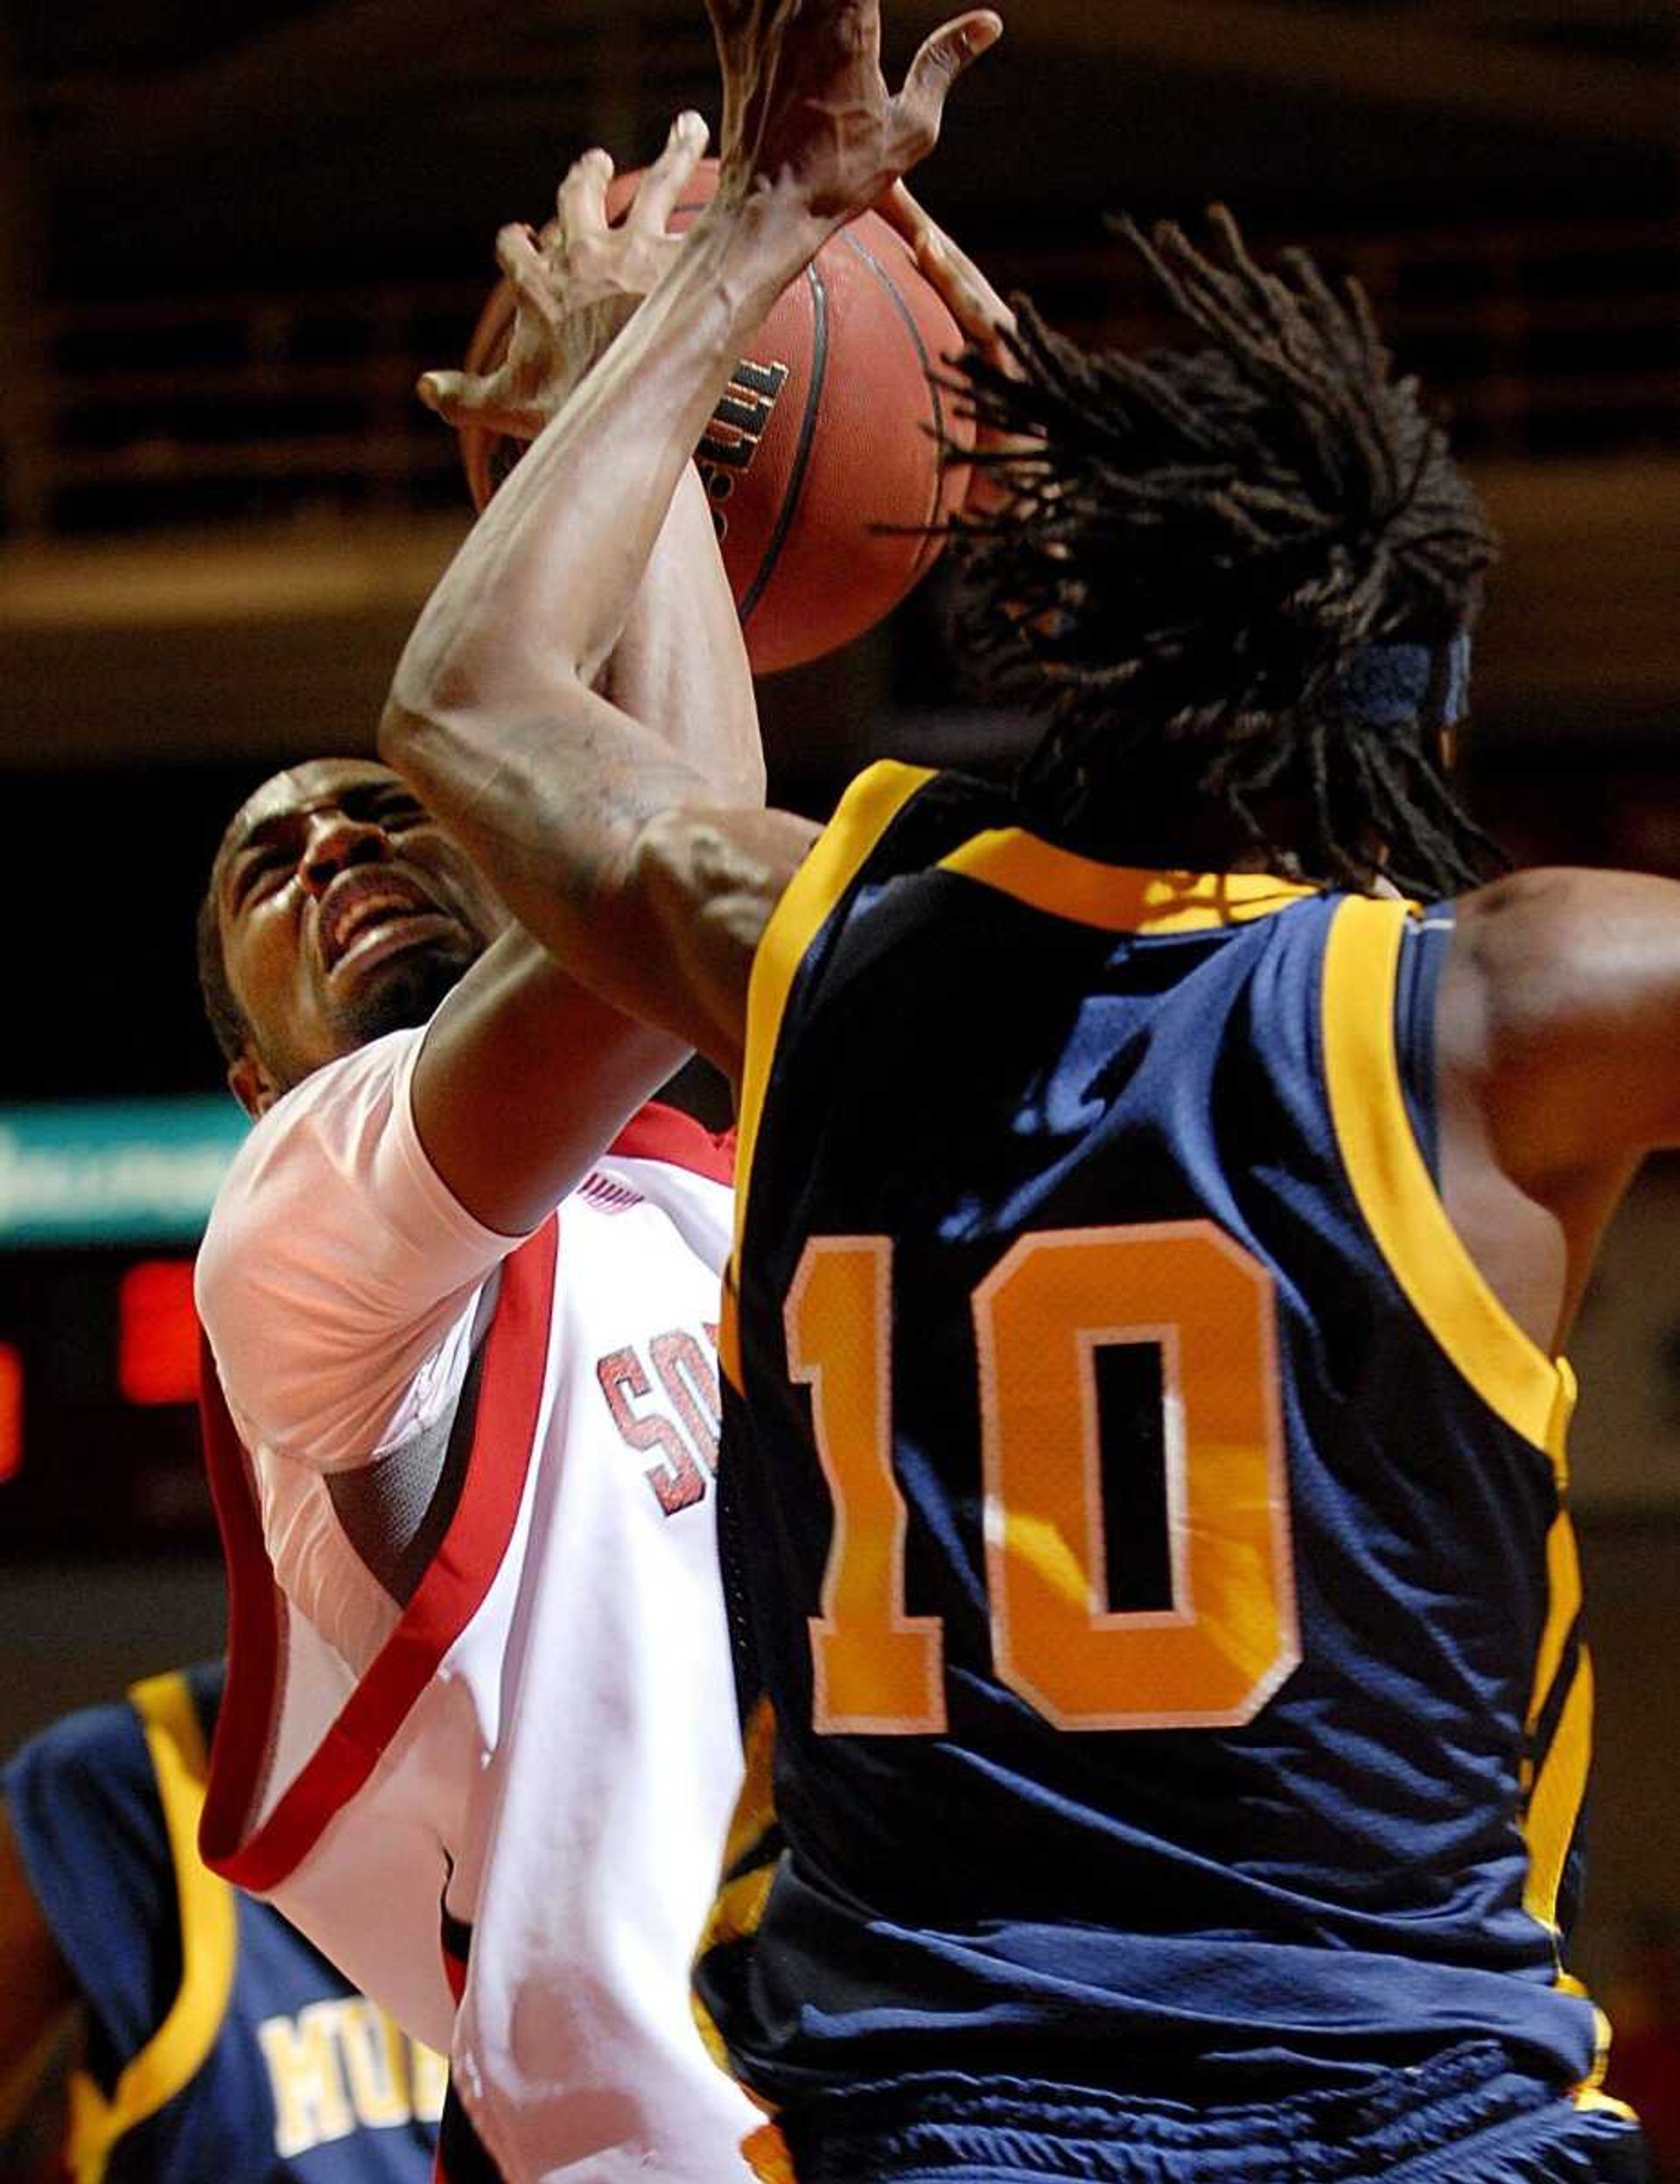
(390, 808)
(255, 872)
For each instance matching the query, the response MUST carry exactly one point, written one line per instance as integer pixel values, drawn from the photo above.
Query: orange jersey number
(1228, 1639)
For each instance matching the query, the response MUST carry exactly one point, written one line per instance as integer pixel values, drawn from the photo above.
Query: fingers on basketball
(670, 175)
(823, 464)
(582, 200)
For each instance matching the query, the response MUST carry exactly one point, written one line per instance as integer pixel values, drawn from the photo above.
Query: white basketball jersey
(508, 1828)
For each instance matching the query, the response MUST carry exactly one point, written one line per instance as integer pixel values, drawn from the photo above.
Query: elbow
(400, 729)
(413, 740)
(423, 705)
(413, 706)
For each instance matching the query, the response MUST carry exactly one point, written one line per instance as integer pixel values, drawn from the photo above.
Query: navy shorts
(1463, 2117)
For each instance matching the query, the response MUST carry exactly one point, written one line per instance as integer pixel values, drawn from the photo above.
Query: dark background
(230, 237)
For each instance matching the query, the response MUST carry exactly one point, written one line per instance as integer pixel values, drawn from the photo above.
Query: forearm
(600, 539)
(680, 665)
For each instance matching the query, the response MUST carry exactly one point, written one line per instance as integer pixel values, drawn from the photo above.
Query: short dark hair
(227, 1019)
(1200, 549)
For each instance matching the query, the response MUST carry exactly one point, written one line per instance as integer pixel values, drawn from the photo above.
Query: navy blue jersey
(1155, 1601)
(220, 2044)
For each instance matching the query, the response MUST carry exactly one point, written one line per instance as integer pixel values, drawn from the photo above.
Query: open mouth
(374, 913)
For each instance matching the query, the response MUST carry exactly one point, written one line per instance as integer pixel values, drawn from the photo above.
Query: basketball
(823, 460)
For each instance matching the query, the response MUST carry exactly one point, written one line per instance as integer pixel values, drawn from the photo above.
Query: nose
(333, 843)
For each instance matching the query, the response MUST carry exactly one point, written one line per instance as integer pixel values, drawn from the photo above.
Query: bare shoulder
(1561, 1010)
(710, 878)
(1561, 945)
(1568, 900)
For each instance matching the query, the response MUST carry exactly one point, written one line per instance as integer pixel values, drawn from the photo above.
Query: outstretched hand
(806, 106)
(574, 285)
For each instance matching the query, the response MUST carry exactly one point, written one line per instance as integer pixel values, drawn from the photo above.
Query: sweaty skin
(1559, 1014)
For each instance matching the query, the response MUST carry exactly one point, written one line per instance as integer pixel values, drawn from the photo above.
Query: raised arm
(635, 862)
(525, 1074)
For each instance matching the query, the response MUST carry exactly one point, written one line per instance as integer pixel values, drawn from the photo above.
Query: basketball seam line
(802, 454)
(920, 346)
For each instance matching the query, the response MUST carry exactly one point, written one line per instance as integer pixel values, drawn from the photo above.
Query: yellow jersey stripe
(176, 2051)
(1114, 898)
(768, 2157)
(737, 1910)
(1590, 2098)
(711, 2037)
(1555, 1805)
(1564, 1605)
(869, 806)
(729, 1331)
(755, 1809)
(1590, 2093)
(1533, 1393)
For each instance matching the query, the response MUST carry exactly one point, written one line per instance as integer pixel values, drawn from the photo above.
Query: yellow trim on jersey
(1533, 1393)
(738, 1909)
(1595, 2103)
(172, 2057)
(755, 1809)
(737, 1914)
(868, 807)
(711, 2037)
(1115, 898)
(767, 2156)
(1555, 1804)
(1564, 1605)
(729, 1330)
(1590, 2093)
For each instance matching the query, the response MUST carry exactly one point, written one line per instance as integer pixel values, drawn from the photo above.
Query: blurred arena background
(228, 241)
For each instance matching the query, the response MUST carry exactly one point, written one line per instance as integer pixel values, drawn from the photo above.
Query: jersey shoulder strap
(168, 1710)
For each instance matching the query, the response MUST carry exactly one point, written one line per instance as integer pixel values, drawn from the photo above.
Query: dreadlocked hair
(1197, 550)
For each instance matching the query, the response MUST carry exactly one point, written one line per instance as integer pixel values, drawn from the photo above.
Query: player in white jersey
(481, 1741)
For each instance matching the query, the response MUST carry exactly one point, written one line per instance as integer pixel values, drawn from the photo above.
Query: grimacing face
(346, 912)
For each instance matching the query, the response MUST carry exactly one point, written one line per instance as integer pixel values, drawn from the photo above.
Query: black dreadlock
(1198, 550)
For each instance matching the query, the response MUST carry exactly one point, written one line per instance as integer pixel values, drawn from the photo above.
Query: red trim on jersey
(661, 1133)
(456, 1580)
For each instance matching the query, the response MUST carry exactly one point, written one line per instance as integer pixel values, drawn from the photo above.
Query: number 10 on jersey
(1228, 1639)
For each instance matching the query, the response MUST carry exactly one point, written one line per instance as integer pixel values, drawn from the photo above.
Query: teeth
(372, 913)
(362, 916)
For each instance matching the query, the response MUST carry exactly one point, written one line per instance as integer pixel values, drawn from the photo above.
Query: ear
(251, 1085)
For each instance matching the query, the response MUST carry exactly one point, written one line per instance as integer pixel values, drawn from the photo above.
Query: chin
(408, 991)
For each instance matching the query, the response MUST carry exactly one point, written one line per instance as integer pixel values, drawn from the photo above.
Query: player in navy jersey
(1166, 1186)
(159, 2026)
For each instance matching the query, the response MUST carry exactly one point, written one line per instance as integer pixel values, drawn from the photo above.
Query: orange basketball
(823, 461)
